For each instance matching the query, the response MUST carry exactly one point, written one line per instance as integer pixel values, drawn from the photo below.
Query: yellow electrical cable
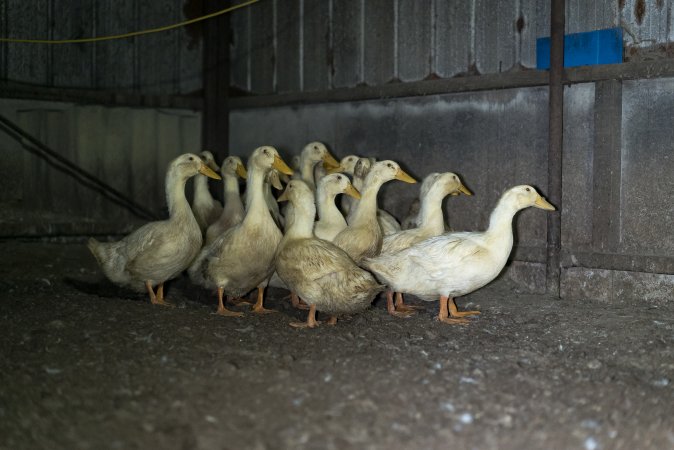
(133, 33)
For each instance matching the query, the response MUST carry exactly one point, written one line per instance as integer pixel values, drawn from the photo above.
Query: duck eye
(389, 165)
(528, 190)
(191, 158)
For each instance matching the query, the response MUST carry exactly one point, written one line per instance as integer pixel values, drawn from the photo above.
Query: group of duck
(336, 261)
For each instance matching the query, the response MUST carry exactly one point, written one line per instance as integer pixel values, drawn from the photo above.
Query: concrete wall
(303, 45)
(127, 148)
(618, 164)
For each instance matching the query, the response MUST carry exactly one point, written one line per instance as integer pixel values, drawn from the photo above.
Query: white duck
(311, 154)
(322, 274)
(455, 264)
(233, 212)
(363, 235)
(330, 219)
(205, 208)
(434, 188)
(387, 222)
(157, 251)
(242, 258)
(346, 166)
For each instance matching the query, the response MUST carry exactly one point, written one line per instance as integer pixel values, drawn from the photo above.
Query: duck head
(449, 183)
(346, 165)
(525, 196)
(274, 179)
(298, 193)
(209, 160)
(233, 166)
(317, 151)
(387, 170)
(189, 164)
(267, 157)
(337, 183)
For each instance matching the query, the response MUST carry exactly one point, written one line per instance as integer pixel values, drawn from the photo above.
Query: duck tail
(197, 271)
(95, 248)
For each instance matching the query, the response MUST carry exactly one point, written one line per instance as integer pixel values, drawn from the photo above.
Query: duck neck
(201, 192)
(231, 188)
(501, 223)
(255, 203)
(430, 214)
(327, 210)
(366, 208)
(302, 224)
(307, 171)
(175, 196)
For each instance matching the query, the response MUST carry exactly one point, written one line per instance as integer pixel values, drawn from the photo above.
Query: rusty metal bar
(556, 135)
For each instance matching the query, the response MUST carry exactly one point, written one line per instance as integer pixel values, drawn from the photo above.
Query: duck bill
(543, 204)
(241, 171)
(205, 170)
(352, 192)
(464, 190)
(332, 169)
(403, 176)
(329, 161)
(281, 166)
(283, 197)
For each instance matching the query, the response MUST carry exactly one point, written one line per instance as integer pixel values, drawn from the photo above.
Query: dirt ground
(88, 366)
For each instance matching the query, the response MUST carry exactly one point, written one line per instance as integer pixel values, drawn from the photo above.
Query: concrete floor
(88, 366)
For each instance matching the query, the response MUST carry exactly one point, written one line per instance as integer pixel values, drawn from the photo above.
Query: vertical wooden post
(556, 132)
(215, 117)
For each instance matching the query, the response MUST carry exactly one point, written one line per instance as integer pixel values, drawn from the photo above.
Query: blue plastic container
(584, 49)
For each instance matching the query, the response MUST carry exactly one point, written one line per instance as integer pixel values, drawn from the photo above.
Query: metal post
(556, 130)
(215, 119)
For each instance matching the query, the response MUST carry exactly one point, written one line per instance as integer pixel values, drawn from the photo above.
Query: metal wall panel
(73, 63)
(415, 49)
(454, 38)
(288, 66)
(316, 32)
(347, 41)
(164, 63)
(28, 63)
(649, 21)
(115, 61)
(157, 53)
(240, 52)
(646, 213)
(262, 51)
(378, 41)
(127, 148)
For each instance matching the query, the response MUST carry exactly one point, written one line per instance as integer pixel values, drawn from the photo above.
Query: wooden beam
(555, 145)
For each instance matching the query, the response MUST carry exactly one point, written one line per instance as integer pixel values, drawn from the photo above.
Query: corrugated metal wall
(127, 148)
(164, 63)
(305, 45)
